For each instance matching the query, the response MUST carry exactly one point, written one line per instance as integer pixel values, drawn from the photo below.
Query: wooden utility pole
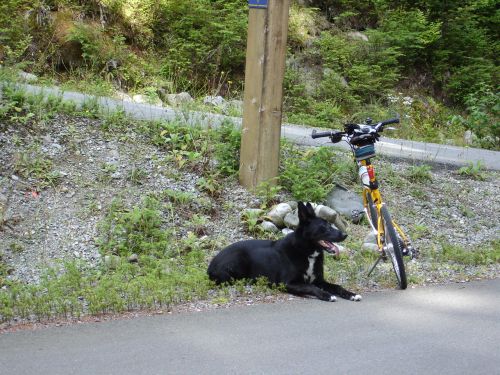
(263, 98)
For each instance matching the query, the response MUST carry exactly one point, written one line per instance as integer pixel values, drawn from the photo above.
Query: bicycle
(391, 239)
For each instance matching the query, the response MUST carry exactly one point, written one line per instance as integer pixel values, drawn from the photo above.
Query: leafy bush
(307, 174)
(203, 39)
(463, 58)
(137, 230)
(489, 254)
(303, 25)
(411, 32)
(420, 173)
(14, 33)
(483, 118)
(227, 149)
(474, 171)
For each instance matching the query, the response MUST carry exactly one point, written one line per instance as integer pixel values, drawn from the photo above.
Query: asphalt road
(453, 329)
(419, 151)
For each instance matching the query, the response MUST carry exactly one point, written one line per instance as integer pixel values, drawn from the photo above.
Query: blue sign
(261, 4)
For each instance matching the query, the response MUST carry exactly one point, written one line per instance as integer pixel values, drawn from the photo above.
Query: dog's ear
(303, 214)
(310, 210)
(306, 212)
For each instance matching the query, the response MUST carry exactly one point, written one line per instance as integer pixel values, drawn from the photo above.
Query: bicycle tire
(372, 210)
(392, 246)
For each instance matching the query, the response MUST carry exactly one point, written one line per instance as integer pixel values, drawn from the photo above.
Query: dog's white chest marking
(309, 275)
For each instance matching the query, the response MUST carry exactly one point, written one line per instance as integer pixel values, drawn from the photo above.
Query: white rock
(124, 97)
(325, 212)
(469, 137)
(291, 220)
(216, 101)
(280, 210)
(181, 98)
(267, 226)
(27, 77)
(358, 35)
(139, 98)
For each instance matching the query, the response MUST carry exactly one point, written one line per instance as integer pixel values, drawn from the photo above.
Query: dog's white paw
(333, 298)
(356, 298)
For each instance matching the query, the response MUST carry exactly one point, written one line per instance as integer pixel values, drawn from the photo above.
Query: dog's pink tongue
(331, 248)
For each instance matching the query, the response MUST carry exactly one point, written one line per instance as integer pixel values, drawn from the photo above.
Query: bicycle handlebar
(391, 121)
(350, 129)
(330, 133)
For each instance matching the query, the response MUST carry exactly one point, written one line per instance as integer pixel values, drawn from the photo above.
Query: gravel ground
(60, 222)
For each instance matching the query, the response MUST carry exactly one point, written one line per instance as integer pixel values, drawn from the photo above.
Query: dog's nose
(343, 236)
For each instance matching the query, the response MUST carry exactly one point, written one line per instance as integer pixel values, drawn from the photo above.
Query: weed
(115, 123)
(78, 289)
(137, 175)
(4, 272)
(227, 148)
(390, 176)
(483, 255)
(251, 218)
(210, 184)
(90, 108)
(198, 224)
(349, 270)
(23, 108)
(267, 191)
(417, 193)
(307, 174)
(420, 231)
(420, 173)
(466, 211)
(137, 230)
(16, 247)
(474, 171)
(182, 198)
(33, 164)
(106, 172)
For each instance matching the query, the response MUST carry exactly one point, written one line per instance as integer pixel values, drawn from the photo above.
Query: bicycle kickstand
(375, 264)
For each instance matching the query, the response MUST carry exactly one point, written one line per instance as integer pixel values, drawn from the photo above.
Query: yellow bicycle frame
(377, 201)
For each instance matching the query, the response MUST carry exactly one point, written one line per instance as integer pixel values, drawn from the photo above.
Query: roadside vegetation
(434, 63)
(154, 251)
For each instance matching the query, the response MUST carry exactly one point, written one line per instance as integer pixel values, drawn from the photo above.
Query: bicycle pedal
(410, 251)
(356, 215)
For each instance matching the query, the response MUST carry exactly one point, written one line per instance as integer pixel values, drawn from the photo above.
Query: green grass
(32, 164)
(473, 171)
(486, 254)
(420, 173)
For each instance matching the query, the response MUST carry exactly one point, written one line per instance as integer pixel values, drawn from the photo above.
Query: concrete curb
(412, 150)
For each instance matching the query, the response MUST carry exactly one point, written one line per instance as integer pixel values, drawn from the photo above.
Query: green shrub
(420, 173)
(486, 254)
(463, 58)
(14, 32)
(203, 40)
(138, 230)
(411, 32)
(307, 174)
(483, 117)
(474, 171)
(227, 148)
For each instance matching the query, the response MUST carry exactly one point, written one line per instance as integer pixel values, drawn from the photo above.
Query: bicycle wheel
(392, 247)
(372, 210)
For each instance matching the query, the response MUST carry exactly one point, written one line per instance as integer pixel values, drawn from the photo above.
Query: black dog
(295, 261)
